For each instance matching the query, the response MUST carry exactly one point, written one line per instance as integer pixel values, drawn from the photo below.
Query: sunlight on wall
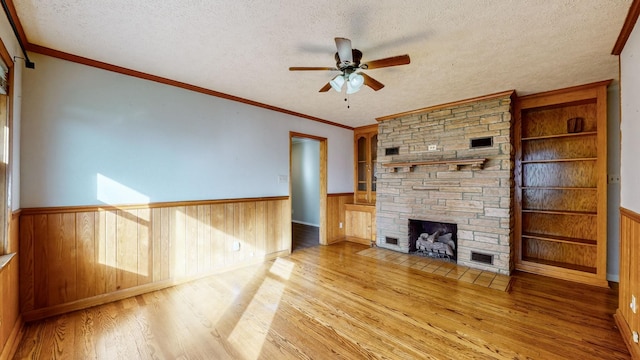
(5, 141)
(127, 259)
(112, 192)
(260, 311)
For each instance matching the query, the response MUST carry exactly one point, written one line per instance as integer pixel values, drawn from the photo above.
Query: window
(4, 154)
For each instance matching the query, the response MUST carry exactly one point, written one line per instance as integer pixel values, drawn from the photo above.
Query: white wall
(305, 181)
(630, 124)
(613, 187)
(90, 136)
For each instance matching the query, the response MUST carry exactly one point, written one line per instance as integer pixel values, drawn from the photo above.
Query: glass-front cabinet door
(366, 149)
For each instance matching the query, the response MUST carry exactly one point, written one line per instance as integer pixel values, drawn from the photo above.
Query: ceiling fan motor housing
(349, 67)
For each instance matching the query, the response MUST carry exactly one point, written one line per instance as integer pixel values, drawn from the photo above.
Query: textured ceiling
(459, 49)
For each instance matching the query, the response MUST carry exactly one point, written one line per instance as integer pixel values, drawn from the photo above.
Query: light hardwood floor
(328, 302)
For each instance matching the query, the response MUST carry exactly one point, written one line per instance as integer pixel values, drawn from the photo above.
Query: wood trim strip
(580, 94)
(367, 128)
(625, 332)
(450, 104)
(340, 194)
(121, 70)
(627, 27)
(89, 208)
(6, 57)
(293, 134)
(630, 214)
(11, 345)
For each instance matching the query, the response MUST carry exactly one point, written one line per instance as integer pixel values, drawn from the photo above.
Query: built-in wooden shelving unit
(561, 178)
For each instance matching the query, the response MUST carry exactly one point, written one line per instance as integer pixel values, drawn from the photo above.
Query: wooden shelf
(454, 164)
(561, 239)
(560, 212)
(558, 188)
(558, 160)
(558, 136)
(585, 269)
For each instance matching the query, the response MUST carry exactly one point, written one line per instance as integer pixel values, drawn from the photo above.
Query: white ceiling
(459, 48)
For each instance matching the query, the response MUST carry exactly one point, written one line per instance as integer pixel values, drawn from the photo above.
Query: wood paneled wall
(10, 320)
(71, 258)
(627, 320)
(336, 216)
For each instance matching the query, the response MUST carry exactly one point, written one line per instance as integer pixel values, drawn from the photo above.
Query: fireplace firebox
(433, 239)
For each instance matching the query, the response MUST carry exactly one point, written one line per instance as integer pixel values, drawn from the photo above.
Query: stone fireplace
(451, 164)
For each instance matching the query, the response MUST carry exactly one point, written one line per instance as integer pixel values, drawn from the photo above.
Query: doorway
(308, 190)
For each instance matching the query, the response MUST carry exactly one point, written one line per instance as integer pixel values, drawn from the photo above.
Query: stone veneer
(479, 201)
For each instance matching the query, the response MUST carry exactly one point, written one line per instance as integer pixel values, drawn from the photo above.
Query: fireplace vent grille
(483, 258)
(392, 151)
(481, 142)
(390, 240)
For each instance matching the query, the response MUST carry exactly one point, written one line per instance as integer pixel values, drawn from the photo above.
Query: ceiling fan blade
(371, 82)
(305, 68)
(325, 88)
(344, 50)
(386, 62)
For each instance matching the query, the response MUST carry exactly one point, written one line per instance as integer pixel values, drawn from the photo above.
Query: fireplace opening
(433, 239)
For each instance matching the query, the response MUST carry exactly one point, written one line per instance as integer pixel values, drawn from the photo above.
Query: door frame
(323, 181)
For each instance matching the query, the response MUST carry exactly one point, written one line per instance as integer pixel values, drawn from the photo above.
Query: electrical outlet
(341, 225)
(236, 246)
(432, 147)
(636, 338)
(614, 179)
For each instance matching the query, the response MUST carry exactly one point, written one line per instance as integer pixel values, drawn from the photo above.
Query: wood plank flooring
(327, 302)
(441, 267)
(304, 236)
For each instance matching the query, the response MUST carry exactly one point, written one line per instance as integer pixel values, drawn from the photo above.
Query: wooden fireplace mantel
(454, 164)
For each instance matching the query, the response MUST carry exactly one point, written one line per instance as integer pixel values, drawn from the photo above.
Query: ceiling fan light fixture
(355, 83)
(337, 82)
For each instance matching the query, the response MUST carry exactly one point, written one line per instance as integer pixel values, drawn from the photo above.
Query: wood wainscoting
(10, 319)
(627, 319)
(336, 216)
(77, 257)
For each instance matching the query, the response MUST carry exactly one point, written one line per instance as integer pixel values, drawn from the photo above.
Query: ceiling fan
(348, 63)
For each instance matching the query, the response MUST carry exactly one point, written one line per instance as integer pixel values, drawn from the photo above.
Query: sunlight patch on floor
(253, 326)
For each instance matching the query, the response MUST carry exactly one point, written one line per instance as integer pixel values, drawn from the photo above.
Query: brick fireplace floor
(478, 277)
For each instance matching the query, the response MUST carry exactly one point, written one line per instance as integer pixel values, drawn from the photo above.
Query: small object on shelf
(575, 125)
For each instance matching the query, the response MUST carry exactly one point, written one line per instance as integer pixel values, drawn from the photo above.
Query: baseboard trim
(11, 346)
(305, 223)
(358, 240)
(43, 313)
(626, 334)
